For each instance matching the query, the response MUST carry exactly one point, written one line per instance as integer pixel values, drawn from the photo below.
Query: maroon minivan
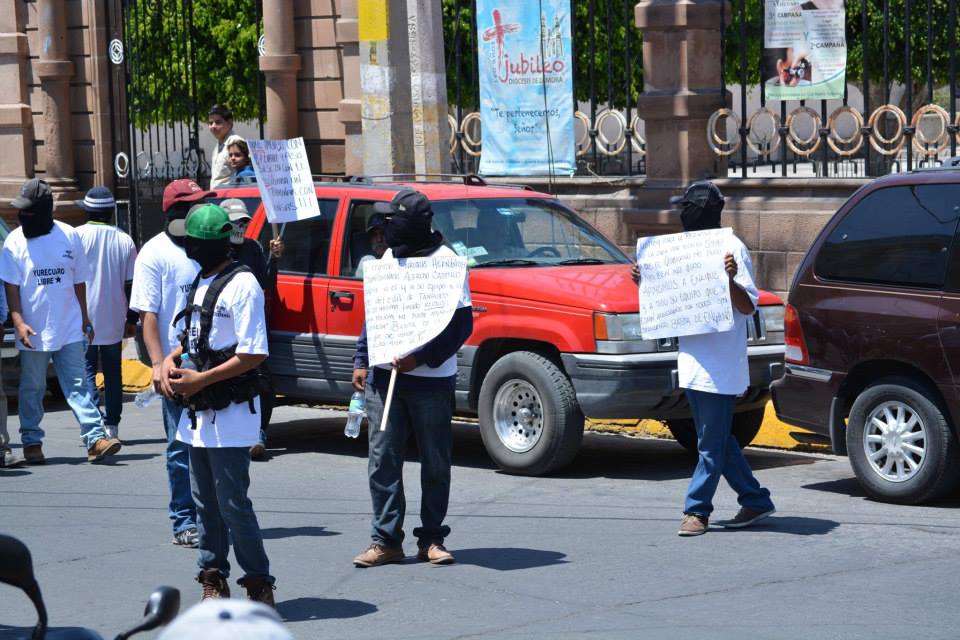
(872, 333)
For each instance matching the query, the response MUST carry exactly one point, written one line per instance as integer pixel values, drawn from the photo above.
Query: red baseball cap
(183, 190)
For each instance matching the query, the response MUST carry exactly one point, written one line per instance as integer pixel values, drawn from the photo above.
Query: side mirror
(16, 569)
(162, 607)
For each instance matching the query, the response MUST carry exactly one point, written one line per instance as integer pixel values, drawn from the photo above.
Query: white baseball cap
(227, 619)
(236, 209)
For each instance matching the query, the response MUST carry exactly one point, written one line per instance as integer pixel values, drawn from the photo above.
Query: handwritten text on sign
(684, 289)
(283, 174)
(409, 302)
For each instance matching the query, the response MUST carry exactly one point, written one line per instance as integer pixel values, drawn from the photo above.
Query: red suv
(556, 325)
(873, 336)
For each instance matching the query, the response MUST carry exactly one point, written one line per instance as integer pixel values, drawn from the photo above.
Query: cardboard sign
(410, 301)
(684, 289)
(284, 178)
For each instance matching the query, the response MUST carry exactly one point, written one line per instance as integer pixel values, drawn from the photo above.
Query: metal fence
(902, 66)
(608, 78)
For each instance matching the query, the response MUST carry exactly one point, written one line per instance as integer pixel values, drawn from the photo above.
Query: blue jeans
(720, 454)
(427, 414)
(183, 512)
(220, 479)
(107, 357)
(68, 362)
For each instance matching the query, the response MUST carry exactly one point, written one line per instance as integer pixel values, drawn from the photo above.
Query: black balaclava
(104, 216)
(178, 211)
(409, 235)
(38, 220)
(209, 254)
(697, 218)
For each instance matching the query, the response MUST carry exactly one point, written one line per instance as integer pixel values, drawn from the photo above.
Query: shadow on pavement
(275, 533)
(304, 609)
(509, 559)
(53, 633)
(131, 443)
(845, 486)
(794, 525)
(13, 472)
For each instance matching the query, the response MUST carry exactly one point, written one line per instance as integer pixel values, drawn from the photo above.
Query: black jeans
(427, 413)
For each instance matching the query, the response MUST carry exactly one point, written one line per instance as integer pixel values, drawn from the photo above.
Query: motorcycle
(16, 569)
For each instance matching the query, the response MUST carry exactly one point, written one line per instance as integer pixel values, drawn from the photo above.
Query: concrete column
(385, 85)
(348, 109)
(16, 121)
(55, 69)
(280, 64)
(681, 74)
(428, 87)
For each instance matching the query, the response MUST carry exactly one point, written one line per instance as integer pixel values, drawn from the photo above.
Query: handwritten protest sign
(283, 174)
(409, 302)
(684, 289)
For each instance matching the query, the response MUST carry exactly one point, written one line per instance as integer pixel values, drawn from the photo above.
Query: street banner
(526, 88)
(804, 49)
(409, 302)
(284, 178)
(684, 288)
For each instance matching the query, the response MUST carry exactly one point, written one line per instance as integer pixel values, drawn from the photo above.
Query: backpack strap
(209, 305)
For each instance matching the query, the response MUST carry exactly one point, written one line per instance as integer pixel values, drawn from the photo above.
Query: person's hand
(730, 266)
(89, 332)
(24, 331)
(276, 248)
(162, 375)
(187, 382)
(404, 364)
(635, 273)
(129, 330)
(359, 379)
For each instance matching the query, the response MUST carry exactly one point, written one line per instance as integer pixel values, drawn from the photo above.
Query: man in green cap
(216, 374)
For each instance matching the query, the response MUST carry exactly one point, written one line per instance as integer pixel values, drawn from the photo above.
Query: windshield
(521, 232)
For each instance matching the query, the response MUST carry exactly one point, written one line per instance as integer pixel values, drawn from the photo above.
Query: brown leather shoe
(102, 448)
(33, 454)
(214, 584)
(258, 452)
(378, 554)
(435, 554)
(258, 589)
(693, 525)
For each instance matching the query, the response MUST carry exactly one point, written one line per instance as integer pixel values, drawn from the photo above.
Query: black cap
(407, 202)
(35, 195)
(700, 193)
(376, 221)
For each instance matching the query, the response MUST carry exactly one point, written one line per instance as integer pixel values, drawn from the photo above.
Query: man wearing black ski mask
(161, 279)
(422, 403)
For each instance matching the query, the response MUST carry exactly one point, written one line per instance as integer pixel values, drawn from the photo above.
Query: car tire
(530, 421)
(937, 470)
(746, 425)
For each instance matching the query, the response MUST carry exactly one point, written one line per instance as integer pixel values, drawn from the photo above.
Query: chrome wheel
(895, 441)
(518, 415)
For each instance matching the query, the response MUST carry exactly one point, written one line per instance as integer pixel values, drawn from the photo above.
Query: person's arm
(189, 382)
(361, 362)
(22, 329)
(151, 340)
(80, 289)
(738, 296)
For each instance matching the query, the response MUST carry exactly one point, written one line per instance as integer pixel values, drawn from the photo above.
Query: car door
(949, 321)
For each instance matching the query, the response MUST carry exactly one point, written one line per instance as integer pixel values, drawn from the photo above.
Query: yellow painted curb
(136, 376)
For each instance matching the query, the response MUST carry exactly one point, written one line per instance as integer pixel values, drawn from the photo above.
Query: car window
(356, 241)
(307, 242)
(896, 236)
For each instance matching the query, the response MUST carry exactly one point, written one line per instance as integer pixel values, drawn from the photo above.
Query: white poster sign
(804, 49)
(409, 302)
(284, 178)
(684, 289)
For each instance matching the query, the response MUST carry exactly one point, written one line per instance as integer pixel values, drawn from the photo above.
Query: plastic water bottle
(187, 363)
(355, 415)
(145, 397)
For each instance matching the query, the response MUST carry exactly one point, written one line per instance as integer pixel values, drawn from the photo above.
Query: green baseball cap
(208, 222)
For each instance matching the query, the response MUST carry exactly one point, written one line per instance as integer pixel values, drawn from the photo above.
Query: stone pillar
(428, 87)
(280, 64)
(16, 121)
(385, 83)
(55, 69)
(681, 74)
(348, 109)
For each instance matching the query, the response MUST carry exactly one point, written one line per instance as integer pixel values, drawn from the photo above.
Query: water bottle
(187, 363)
(355, 415)
(145, 397)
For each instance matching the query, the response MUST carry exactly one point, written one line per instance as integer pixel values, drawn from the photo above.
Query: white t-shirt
(46, 268)
(717, 362)
(110, 254)
(449, 366)
(220, 170)
(161, 279)
(238, 319)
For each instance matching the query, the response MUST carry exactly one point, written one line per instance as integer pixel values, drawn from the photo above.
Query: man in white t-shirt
(111, 255)
(44, 270)
(8, 458)
(220, 125)
(713, 370)
(225, 335)
(161, 278)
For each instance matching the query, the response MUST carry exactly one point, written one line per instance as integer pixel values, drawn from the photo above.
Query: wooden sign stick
(389, 399)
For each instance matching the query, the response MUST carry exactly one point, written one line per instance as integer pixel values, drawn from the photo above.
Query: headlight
(772, 316)
(620, 333)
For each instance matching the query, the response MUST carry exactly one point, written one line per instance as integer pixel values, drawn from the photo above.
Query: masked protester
(161, 278)
(45, 271)
(111, 255)
(422, 404)
(712, 369)
(224, 332)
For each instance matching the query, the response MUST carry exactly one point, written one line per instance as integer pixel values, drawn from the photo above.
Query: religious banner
(804, 49)
(526, 88)
(410, 301)
(284, 178)
(684, 288)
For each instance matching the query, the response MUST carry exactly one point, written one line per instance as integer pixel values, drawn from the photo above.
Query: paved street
(592, 552)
